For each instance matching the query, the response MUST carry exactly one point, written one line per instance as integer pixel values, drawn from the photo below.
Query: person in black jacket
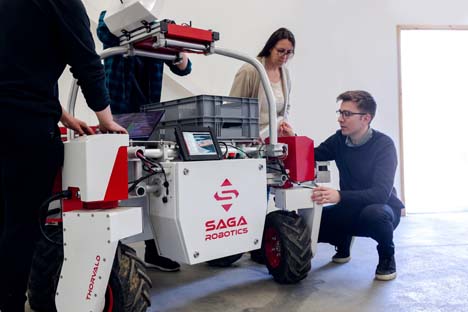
(38, 38)
(366, 203)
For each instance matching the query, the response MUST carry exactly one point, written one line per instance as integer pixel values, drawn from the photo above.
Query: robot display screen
(140, 126)
(199, 143)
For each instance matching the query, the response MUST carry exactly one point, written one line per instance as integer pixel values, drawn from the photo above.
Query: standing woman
(275, 54)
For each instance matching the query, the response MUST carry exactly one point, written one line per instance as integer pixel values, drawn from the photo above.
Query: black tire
(287, 247)
(128, 283)
(45, 271)
(127, 291)
(224, 262)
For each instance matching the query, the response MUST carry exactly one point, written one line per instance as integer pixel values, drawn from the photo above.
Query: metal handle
(129, 50)
(266, 86)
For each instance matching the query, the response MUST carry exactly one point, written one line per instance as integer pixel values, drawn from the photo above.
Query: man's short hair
(365, 102)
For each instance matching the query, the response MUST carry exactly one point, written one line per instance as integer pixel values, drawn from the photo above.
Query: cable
(239, 149)
(274, 169)
(53, 211)
(43, 212)
(260, 149)
(147, 161)
(135, 183)
(281, 169)
(226, 146)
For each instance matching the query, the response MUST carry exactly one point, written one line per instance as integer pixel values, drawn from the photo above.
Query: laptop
(140, 126)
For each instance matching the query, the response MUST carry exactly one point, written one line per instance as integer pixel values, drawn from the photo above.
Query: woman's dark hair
(282, 33)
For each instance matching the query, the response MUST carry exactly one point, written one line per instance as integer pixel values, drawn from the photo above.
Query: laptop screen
(140, 126)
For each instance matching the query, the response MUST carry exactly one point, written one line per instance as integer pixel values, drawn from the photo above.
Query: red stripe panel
(117, 189)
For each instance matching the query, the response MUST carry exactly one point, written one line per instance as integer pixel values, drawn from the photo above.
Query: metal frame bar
(129, 50)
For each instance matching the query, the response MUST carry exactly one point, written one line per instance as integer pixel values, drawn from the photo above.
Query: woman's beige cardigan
(247, 84)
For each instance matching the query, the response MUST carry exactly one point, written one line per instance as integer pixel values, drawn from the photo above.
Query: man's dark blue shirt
(367, 172)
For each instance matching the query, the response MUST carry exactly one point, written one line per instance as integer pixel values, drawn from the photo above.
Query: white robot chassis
(197, 211)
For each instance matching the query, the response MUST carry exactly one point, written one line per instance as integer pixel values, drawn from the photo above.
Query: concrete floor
(431, 257)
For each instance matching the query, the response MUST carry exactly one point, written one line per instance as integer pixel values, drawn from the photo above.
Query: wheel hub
(272, 247)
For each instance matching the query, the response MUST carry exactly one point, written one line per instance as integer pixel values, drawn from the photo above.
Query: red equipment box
(300, 160)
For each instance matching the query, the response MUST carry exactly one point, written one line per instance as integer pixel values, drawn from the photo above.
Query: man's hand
(75, 124)
(112, 127)
(325, 195)
(107, 124)
(285, 129)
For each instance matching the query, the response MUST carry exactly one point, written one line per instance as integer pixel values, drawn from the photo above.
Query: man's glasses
(347, 114)
(283, 52)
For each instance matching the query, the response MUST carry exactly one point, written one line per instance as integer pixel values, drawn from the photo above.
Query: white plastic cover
(95, 7)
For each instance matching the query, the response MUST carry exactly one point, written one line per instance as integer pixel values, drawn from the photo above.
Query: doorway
(434, 114)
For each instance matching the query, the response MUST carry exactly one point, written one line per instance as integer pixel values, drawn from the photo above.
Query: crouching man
(366, 203)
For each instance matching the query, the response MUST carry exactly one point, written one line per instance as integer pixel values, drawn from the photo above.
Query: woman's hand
(285, 129)
(75, 124)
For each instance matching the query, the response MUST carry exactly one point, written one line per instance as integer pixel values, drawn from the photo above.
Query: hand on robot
(325, 195)
(107, 124)
(75, 124)
(285, 129)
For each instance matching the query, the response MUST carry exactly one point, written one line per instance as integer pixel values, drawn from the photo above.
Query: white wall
(341, 45)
